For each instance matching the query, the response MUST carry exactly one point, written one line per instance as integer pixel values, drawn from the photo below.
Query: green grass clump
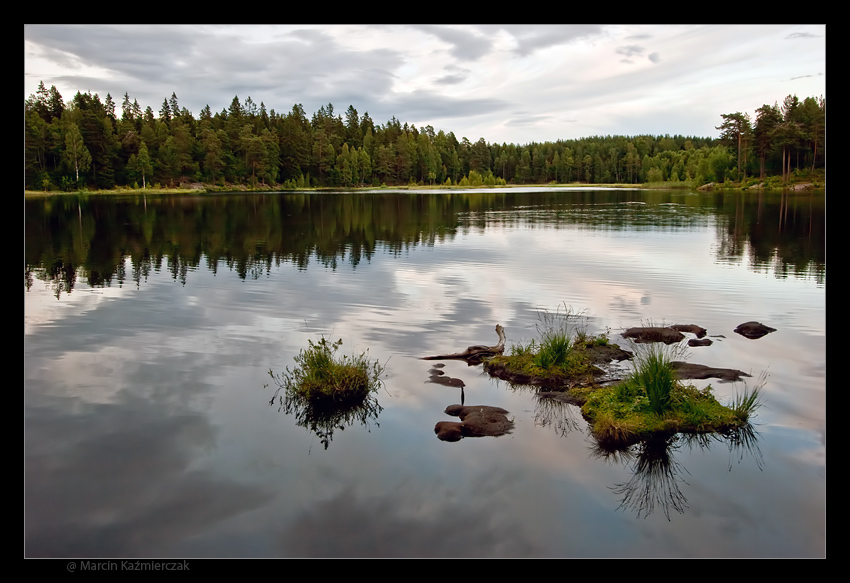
(559, 356)
(653, 402)
(556, 338)
(654, 372)
(322, 378)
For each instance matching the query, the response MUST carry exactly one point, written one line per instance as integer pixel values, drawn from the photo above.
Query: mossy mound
(651, 402)
(621, 415)
(580, 367)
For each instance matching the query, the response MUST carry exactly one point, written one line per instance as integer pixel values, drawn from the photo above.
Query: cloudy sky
(505, 83)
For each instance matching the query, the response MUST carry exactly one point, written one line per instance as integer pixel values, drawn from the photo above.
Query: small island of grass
(322, 379)
(652, 401)
(325, 392)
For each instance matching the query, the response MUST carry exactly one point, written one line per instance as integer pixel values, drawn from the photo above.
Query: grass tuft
(556, 337)
(745, 404)
(654, 372)
(322, 378)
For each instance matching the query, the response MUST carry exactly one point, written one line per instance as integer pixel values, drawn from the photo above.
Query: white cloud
(568, 81)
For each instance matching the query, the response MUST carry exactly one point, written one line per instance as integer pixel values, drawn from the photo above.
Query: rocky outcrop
(439, 377)
(754, 330)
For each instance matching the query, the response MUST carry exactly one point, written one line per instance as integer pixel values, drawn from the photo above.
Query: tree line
(87, 143)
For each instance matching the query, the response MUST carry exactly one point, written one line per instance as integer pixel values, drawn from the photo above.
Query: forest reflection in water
(251, 233)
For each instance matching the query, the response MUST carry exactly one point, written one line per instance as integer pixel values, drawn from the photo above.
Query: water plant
(653, 401)
(745, 403)
(556, 337)
(326, 392)
(654, 372)
(562, 356)
(322, 378)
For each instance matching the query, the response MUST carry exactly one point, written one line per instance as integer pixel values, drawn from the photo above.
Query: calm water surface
(150, 325)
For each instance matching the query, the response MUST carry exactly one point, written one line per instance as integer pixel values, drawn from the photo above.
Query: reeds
(745, 403)
(654, 372)
(556, 333)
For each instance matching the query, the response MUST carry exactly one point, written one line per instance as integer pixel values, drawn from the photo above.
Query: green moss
(627, 412)
(547, 367)
(622, 414)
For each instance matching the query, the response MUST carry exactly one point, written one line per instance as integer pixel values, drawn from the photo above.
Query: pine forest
(89, 143)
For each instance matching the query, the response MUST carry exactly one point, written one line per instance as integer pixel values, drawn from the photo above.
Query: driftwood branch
(474, 354)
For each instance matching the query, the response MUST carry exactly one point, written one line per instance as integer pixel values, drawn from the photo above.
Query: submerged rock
(475, 421)
(687, 370)
(754, 330)
(644, 334)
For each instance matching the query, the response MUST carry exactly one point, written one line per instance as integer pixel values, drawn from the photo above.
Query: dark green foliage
(260, 149)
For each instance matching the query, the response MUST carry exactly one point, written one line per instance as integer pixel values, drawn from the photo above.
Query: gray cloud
(466, 46)
(531, 38)
(383, 74)
(451, 79)
(630, 50)
(527, 120)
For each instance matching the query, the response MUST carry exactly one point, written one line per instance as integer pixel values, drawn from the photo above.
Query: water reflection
(67, 237)
(554, 410)
(656, 475)
(146, 326)
(323, 418)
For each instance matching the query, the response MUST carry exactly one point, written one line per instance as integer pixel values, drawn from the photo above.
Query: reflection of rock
(687, 370)
(664, 334)
(438, 378)
(475, 421)
(700, 342)
(754, 330)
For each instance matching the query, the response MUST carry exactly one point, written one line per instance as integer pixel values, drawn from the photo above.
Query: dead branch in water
(474, 354)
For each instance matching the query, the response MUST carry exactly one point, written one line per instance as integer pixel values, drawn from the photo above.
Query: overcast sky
(503, 83)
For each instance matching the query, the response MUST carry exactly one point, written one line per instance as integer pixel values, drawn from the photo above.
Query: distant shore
(200, 188)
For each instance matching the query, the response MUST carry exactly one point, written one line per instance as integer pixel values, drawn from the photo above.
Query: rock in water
(754, 330)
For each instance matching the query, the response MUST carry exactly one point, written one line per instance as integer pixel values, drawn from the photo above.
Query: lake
(151, 325)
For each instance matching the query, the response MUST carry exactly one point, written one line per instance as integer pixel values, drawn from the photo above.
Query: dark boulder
(692, 328)
(644, 334)
(687, 370)
(476, 421)
(754, 330)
